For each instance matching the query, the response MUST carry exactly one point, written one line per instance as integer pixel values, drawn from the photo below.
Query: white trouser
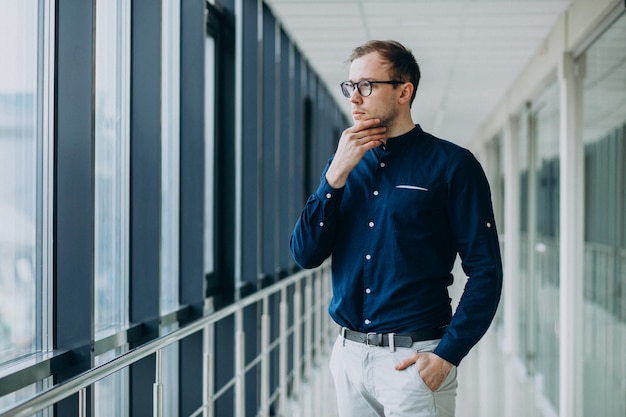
(367, 384)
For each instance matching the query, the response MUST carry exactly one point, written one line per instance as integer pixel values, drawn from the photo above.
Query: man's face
(382, 103)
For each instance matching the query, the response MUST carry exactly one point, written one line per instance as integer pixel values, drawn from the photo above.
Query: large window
(111, 200)
(111, 165)
(25, 175)
(26, 92)
(170, 155)
(603, 67)
(170, 191)
(545, 241)
(209, 155)
(526, 296)
(122, 116)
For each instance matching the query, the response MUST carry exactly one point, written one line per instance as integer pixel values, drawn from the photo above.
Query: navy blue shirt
(394, 232)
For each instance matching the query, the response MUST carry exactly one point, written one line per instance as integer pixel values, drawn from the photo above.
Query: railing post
(157, 396)
(282, 371)
(308, 325)
(208, 379)
(240, 365)
(297, 337)
(326, 294)
(82, 402)
(319, 339)
(319, 305)
(265, 359)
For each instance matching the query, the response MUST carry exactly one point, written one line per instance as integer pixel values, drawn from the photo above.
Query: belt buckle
(376, 340)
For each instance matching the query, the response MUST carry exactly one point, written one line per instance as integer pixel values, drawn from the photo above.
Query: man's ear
(406, 92)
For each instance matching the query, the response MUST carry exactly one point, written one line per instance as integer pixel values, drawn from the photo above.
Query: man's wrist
(334, 180)
(444, 362)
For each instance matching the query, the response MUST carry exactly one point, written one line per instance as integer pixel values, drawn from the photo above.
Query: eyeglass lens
(363, 87)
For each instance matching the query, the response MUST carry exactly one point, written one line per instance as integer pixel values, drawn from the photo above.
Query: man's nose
(356, 96)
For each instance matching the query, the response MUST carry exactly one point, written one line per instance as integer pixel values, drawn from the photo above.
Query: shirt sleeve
(474, 231)
(313, 235)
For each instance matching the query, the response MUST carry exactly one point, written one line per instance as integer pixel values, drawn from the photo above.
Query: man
(394, 207)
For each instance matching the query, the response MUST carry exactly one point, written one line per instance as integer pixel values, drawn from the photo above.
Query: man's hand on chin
(354, 142)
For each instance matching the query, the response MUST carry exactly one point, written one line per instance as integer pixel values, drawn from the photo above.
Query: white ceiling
(469, 51)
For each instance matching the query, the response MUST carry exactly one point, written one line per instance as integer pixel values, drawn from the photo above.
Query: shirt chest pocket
(414, 204)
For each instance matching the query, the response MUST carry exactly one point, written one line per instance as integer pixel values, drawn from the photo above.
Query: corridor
(156, 155)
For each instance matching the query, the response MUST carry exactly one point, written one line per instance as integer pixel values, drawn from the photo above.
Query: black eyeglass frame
(347, 93)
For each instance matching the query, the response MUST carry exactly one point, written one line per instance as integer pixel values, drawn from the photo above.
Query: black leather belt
(399, 339)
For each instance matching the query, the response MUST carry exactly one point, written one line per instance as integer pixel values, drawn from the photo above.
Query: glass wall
(170, 191)
(137, 247)
(209, 154)
(20, 180)
(170, 155)
(26, 92)
(111, 166)
(603, 69)
(527, 300)
(111, 200)
(544, 278)
(538, 175)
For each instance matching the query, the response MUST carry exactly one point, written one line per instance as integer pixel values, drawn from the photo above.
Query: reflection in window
(112, 73)
(209, 154)
(111, 165)
(545, 249)
(26, 131)
(21, 178)
(170, 155)
(526, 295)
(603, 67)
(112, 386)
(170, 192)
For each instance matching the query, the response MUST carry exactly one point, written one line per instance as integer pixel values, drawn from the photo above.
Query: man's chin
(361, 117)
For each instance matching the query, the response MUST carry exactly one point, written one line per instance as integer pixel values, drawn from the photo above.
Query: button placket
(371, 223)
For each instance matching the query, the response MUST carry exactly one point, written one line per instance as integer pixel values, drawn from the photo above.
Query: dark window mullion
(73, 190)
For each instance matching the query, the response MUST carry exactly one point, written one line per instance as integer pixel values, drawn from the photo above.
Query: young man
(394, 207)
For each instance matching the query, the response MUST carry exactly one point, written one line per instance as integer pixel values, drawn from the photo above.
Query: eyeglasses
(364, 87)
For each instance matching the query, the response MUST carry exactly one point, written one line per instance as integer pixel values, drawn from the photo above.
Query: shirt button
(382, 164)
(368, 256)
(488, 224)
(321, 224)
(367, 321)
(328, 195)
(376, 192)
(368, 291)
(371, 224)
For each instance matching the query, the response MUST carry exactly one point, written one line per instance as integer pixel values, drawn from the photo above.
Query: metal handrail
(81, 382)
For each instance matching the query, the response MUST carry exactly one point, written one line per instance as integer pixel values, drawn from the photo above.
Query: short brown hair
(404, 67)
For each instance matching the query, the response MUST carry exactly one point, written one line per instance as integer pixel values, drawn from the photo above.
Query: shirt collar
(400, 142)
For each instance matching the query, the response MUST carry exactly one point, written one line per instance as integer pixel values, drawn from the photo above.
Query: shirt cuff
(448, 352)
(328, 194)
